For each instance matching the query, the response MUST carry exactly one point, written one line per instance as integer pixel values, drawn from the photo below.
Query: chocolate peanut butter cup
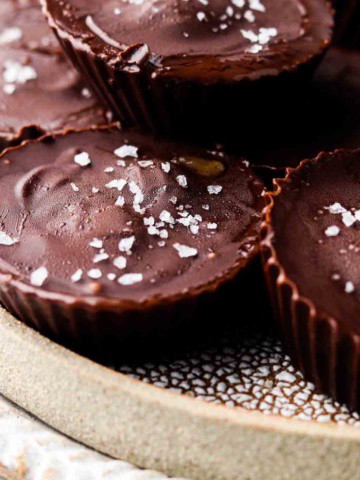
(311, 249)
(109, 235)
(194, 66)
(39, 89)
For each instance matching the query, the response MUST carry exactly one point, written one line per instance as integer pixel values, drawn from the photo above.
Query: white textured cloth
(29, 450)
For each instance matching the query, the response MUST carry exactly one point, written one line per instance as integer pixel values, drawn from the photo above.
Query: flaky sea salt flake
(126, 151)
(94, 273)
(166, 217)
(16, 73)
(348, 218)
(349, 287)
(117, 183)
(9, 88)
(38, 277)
(145, 163)
(126, 244)
(165, 166)
(11, 34)
(332, 231)
(214, 189)
(5, 239)
(82, 159)
(120, 262)
(76, 277)
(130, 278)
(120, 201)
(212, 226)
(182, 181)
(100, 257)
(184, 251)
(336, 208)
(96, 243)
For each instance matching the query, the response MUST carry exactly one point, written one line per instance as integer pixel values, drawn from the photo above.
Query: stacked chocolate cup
(113, 235)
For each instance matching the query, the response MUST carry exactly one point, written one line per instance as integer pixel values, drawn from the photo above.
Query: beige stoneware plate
(238, 427)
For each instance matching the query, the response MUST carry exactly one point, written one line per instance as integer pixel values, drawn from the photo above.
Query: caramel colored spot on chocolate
(95, 287)
(203, 166)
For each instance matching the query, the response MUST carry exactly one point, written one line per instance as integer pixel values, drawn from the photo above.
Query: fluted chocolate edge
(327, 357)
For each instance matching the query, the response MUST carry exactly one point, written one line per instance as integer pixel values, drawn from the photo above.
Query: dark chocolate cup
(347, 27)
(112, 329)
(108, 331)
(191, 108)
(328, 356)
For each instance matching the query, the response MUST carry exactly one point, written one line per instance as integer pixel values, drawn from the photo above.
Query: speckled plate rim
(158, 429)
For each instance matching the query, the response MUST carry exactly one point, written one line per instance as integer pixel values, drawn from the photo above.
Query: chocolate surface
(326, 118)
(316, 224)
(39, 90)
(208, 40)
(112, 214)
(22, 26)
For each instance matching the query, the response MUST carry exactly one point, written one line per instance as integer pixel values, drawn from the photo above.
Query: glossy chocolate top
(316, 222)
(112, 214)
(327, 116)
(38, 87)
(202, 38)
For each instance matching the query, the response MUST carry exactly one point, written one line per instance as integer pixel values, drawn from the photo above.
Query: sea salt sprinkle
(100, 257)
(184, 251)
(16, 74)
(95, 273)
(39, 276)
(117, 183)
(159, 226)
(5, 239)
(126, 244)
(145, 163)
(349, 217)
(76, 277)
(96, 243)
(212, 226)
(332, 231)
(82, 159)
(349, 287)
(182, 181)
(214, 189)
(126, 151)
(120, 262)
(165, 166)
(11, 34)
(130, 278)
(231, 14)
(9, 89)
(120, 201)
